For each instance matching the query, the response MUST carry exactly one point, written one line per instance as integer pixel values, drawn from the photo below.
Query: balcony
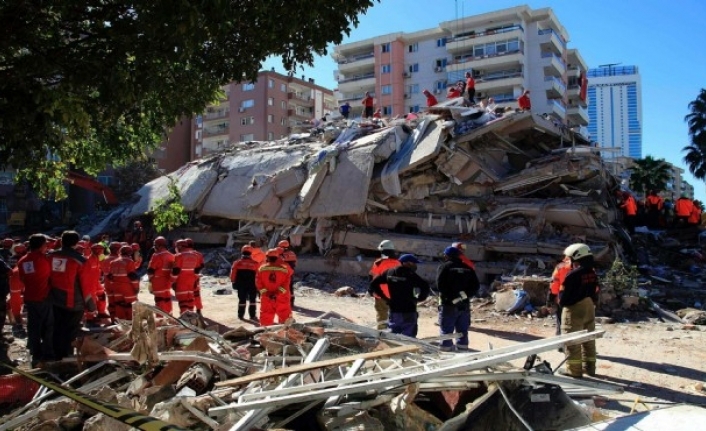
(502, 79)
(353, 63)
(553, 64)
(300, 99)
(216, 114)
(357, 83)
(504, 59)
(216, 131)
(353, 97)
(298, 113)
(549, 38)
(462, 43)
(577, 115)
(556, 107)
(554, 87)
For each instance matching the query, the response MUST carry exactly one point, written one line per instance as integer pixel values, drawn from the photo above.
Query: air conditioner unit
(439, 69)
(241, 109)
(407, 74)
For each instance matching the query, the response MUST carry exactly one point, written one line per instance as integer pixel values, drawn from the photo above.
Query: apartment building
(615, 110)
(266, 109)
(507, 51)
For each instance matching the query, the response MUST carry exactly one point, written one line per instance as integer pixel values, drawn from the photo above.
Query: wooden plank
(314, 365)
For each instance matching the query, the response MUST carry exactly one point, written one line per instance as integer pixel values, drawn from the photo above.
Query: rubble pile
(324, 374)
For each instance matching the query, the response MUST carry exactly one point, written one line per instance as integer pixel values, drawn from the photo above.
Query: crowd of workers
(658, 213)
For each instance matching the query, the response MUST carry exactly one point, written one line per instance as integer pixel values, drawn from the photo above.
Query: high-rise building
(267, 109)
(615, 110)
(506, 51)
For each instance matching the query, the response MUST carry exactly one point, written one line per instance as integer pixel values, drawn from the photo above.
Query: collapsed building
(516, 188)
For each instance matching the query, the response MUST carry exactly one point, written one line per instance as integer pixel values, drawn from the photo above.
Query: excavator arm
(90, 183)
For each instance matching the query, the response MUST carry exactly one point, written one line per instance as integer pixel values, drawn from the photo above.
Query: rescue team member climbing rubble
(159, 273)
(242, 275)
(272, 281)
(386, 261)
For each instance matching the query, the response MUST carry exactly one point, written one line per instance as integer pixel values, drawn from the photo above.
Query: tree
(86, 83)
(696, 151)
(649, 174)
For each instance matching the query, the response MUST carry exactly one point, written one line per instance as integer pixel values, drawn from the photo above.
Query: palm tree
(649, 174)
(696, 151)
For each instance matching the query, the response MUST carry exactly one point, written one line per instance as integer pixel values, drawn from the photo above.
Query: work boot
(241, 317)
(590, 371)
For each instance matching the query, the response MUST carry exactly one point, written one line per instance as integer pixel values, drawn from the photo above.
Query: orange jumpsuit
(694, 218)
(290, 258)
(258, 255)
(159, 272)
(197, 286)
(126, 285)
(272, 281)
(92, 268)
(187, 264)
(108, 284)
(16, 290)
(558, 276)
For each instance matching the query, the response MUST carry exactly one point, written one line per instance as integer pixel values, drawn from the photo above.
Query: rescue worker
(272, 281)
(185, 271)
(84, 247)
(198, 304)
(406, 289)
(693, 220)
(682, 210)
(136, 255)
(387, 260)
(69, 293)
(34, 270)
(98, 252)
(5, 271)
(242, 275)
(558, 276)
(578, 297)
(114, 253)
(462, 248)
(93, 275)
(653, 204)
(159, 273)
(290, 258)
(16, 289)
(125, 282)
(257, 254)
(629, 207)
(457, 283)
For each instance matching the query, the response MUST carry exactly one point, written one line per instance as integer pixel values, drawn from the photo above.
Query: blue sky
(661, 38)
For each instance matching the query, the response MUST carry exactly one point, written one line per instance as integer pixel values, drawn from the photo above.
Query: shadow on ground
(507, 335)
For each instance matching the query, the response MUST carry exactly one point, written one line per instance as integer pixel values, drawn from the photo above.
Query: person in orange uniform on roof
(16, 289)
(187, 265)
(471, 88)
(290, 258)
(242, 275)
(693, 220)
(114, 249)
(272, 281)
(682, 210)
(629, 207)
(198, 304)
(257, 254)
(524, 103)
(92, 268)
(125, 281)
(431, 100)
(653, 204)
(159, 272)
(387, 260)
(558, 276)
(462, 248)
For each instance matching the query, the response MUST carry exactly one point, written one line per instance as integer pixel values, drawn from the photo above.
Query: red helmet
(20, 249)
(126, 250)
(273, 252)
(98, 247)
(114, 247)
(160, 241)
(7, 242)
(80, 247)
(135, 246)
(189, 242)
(284, 244)
(180, 243)
(246, 249)
(84, 244)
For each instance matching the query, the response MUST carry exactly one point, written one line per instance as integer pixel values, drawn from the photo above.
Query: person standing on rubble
(406, 289)
(523, 102)
(16, 289)
(187, 266)
(431, 100)
(693, 220)
(470, 88)
(242, 275)
(159, 273)
(629, 207)
(462, 248)
(257, 254)
(578, 296)
(34, 269)
(558, 276)
(69, 293)
(198, 304)
(457, 283)
(368, 104)
(345, 110)
(682, 210)
(387, 260)
(290, 258)
(654, 205)
(93, 275)
(125, 282)
(114, 250)
(272, 281)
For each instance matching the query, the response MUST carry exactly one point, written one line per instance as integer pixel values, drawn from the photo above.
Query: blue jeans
(403, 323)
(453, 318)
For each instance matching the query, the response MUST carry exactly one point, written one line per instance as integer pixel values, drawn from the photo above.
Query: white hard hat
(459, 245)
(577, 251)
(386, 245)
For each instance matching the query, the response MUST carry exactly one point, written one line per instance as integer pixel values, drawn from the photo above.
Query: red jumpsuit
(108, 284)
(290, 258)
(187, 264)
(159, 272)
(93, 275)
(16, 290)
(272, 281)
(197, 286)
(126, 284)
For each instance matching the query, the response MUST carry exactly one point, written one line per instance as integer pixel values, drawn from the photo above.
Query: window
(413, 89)
(248, 86)
(270, 136)
(248, 137)
(246, 121)
(283, 104)
(283, 121)
(414, 108)
(387, 110)
(441, 62)
(270, 118)
(441, 85)
(270, 83)
(386, 89)
(513, 45)
(478, 50)
(283, 87)
(386, 68)
(270, 101)
(247, 103)
(385, 47)
(441, 42)
(413, 68)
(413, 47)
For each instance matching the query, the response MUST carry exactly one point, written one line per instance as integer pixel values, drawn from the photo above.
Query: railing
(216, 114)
(549, 54)
(504, 98)
(558, 103)
(470, 57)
(550, 31)
(557, 81)
(499, 75)
(355, 58)
(486, 33)
(612, 71)
(216, 132)
(357, 78)
(354, 97)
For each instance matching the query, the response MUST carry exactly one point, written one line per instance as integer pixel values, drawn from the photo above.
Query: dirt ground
(655, 362)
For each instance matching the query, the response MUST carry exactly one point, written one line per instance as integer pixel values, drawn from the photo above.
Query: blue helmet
(452, 252)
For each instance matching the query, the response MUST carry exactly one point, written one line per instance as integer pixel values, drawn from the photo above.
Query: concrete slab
(195, 183)
(149, 194)
(679, 417)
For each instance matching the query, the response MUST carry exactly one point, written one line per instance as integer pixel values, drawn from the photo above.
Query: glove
(91, 304)
(263, 291)
(282, 290)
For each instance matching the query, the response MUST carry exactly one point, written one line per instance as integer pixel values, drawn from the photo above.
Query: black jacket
(580, 283)
(401, 282)
(454, 277)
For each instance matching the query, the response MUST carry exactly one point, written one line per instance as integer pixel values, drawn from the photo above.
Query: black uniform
(406, 289)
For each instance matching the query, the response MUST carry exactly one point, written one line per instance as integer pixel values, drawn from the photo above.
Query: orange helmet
(20, 249)
(180, 243)
(114, 247)
(246, 249)
(135, 246)
(126, 250)
(284, 244)
(84, 244)
(160, 241)
(273, 252)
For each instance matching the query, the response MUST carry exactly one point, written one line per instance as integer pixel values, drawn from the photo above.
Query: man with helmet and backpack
(159, 273)
(242, 275)
(457, 283)
(386, 261)
(578, 296)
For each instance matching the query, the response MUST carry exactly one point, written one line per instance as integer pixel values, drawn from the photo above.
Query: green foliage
(649, 174)
(89, 83)
(169, 213)
(132, 176)
(622, 278)
(695, 157)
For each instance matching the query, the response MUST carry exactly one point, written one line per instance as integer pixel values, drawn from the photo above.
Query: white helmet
(459, 245)
(577, 251)
(386, 245)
